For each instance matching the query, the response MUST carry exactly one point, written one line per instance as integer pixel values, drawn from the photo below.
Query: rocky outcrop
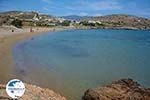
(33, 93)
(124, 89)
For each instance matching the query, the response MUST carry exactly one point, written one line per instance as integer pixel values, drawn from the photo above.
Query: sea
(72, 61)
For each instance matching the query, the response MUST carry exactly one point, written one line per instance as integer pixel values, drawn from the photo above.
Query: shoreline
(6, 44)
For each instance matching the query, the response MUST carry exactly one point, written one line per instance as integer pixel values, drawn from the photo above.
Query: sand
(7, 40)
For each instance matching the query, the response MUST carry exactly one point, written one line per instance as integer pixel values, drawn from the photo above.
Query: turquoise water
(70, 62)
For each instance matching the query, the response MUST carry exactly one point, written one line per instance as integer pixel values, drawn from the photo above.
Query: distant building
(75, 21)
(36, 17)
(139, 20)
(51, 24)
(60, 20)
(94, 22)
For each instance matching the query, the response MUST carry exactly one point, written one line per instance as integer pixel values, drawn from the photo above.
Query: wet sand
(7, 40)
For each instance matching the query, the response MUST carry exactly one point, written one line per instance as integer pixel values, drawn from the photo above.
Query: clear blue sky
(79, 7)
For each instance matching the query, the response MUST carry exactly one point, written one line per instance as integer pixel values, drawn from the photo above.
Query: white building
(60, 19)
(94, 22)
(36, 17)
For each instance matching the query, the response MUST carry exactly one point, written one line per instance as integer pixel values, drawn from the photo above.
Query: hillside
(122, 20)
(24, 15)
(28, 18)
(115, 21)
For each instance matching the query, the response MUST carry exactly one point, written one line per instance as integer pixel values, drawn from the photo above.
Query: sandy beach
(8, 39)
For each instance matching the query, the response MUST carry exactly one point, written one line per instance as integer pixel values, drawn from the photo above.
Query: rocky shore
(124, 89)
(33, 93)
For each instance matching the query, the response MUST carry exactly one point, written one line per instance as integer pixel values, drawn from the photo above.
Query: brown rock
(124, 89)
(33, 93)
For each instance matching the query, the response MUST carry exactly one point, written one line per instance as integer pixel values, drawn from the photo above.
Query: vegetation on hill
(66, 23)
(17, 23)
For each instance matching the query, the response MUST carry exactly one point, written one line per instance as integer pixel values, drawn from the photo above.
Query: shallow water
(70, 62)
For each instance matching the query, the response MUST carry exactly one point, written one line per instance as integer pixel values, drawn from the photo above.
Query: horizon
(80, 7)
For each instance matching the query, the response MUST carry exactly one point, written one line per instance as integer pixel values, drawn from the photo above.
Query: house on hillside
(36, 18)
(94, 22)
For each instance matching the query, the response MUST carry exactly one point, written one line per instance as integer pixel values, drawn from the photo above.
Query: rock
(33, 93)
(124, 89)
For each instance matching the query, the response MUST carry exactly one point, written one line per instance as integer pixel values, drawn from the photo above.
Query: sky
(79, 7)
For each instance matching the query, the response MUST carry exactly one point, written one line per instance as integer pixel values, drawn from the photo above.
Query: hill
(114, 21)
(27, 18)
(122, 21)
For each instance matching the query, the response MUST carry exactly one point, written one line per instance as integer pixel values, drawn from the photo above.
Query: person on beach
(31, 29)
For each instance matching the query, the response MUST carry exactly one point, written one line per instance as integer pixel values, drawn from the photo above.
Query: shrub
(66, 23)
(85, 23)
(17, 23)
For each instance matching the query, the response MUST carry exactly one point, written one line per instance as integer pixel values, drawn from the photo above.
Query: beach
(8, 39)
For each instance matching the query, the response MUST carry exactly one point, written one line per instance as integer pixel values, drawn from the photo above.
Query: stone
(124, 89)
